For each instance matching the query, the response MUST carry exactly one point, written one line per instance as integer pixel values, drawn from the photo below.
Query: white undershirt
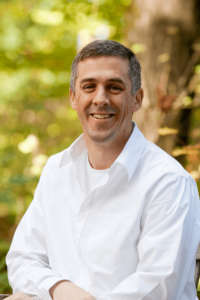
(91, 178)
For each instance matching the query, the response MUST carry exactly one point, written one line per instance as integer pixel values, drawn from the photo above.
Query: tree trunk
(168, 30)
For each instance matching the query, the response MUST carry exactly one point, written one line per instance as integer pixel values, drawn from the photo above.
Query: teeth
(102, 116)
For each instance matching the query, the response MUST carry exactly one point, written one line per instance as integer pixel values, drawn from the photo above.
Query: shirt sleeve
(167, 246)
(27, 260)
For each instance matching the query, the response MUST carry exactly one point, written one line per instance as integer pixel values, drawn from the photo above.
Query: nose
(101, 97)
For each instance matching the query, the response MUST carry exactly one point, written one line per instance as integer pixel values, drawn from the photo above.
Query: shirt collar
(73, 151)
(130, 155)
(128, 158)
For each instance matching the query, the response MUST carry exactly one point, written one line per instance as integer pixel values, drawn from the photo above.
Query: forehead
(94, 67)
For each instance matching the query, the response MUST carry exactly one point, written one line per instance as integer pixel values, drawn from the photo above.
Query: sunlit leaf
(102, 32)
(52, 18)
(184, 151)
(138, 48)
(40, 160)
(197, 89)
(162, 58)
(36, 170)
(166, 131)
(71, 114)
(187, 101)
(195, 175)
(178, 152)
(192, 147)
(47, 76)
(29, 144)
(197, 69)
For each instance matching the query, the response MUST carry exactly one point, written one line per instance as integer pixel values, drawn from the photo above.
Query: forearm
(31, 277)
(66, 290)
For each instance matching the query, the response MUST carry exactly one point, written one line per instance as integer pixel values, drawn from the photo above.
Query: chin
(103, 137)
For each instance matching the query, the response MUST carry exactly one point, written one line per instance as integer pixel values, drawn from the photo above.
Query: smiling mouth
(107, 116)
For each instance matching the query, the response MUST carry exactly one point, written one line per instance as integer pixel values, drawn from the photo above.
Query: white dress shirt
(132, 237)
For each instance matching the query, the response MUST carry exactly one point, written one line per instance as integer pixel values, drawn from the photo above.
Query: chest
(104, 225)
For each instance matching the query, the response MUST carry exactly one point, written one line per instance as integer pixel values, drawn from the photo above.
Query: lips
(102, 116)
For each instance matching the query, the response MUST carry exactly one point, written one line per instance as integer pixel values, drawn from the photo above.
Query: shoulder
(161, 171)
(53, 168)
(165, 178)
(55, 160)
(158, 161)
(55, 172)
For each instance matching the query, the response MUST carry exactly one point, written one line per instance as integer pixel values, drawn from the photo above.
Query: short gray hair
(108, 48)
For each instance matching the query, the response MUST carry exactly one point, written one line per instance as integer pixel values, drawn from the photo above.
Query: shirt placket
(80, 218)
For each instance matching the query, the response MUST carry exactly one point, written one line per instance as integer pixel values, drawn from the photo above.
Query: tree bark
(168, 29)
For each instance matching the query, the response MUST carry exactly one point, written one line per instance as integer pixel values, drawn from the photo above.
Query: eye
(115, 88)
(89, 87)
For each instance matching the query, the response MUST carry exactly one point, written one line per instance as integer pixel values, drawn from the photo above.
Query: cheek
(127, 104)
(81, 105)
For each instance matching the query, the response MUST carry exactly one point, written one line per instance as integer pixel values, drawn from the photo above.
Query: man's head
(108, 48)
(105, 91)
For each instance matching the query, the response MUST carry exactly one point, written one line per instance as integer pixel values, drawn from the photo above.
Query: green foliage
(3, 277)
(4, 285)
(38, 41)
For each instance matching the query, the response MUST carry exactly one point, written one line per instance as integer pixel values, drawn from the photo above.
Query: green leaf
(4, 247)
(2, 263)
(4, 282)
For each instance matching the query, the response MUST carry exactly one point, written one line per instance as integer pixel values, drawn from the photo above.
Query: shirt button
(79, 255)
(83, 215)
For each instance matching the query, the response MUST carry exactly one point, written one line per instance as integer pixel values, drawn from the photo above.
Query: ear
(138, 97)
(72, 99)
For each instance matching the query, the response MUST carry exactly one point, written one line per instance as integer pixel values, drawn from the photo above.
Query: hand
(18, 296)
(66, 290)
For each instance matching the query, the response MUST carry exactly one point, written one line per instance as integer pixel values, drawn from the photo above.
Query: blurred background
(38, 41)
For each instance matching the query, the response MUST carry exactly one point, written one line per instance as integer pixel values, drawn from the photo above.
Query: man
(114, 217)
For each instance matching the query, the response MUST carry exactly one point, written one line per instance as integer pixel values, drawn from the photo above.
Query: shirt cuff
(46, 284)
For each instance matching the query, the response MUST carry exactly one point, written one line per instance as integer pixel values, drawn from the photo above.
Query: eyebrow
(87, 79)
(116, 79)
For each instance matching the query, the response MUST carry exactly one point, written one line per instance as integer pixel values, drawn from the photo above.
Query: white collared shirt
(133, 237)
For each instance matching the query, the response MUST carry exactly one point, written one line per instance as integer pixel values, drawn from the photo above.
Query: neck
(103, 155)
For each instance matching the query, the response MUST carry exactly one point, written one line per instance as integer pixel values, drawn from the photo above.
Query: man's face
(103, 98)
